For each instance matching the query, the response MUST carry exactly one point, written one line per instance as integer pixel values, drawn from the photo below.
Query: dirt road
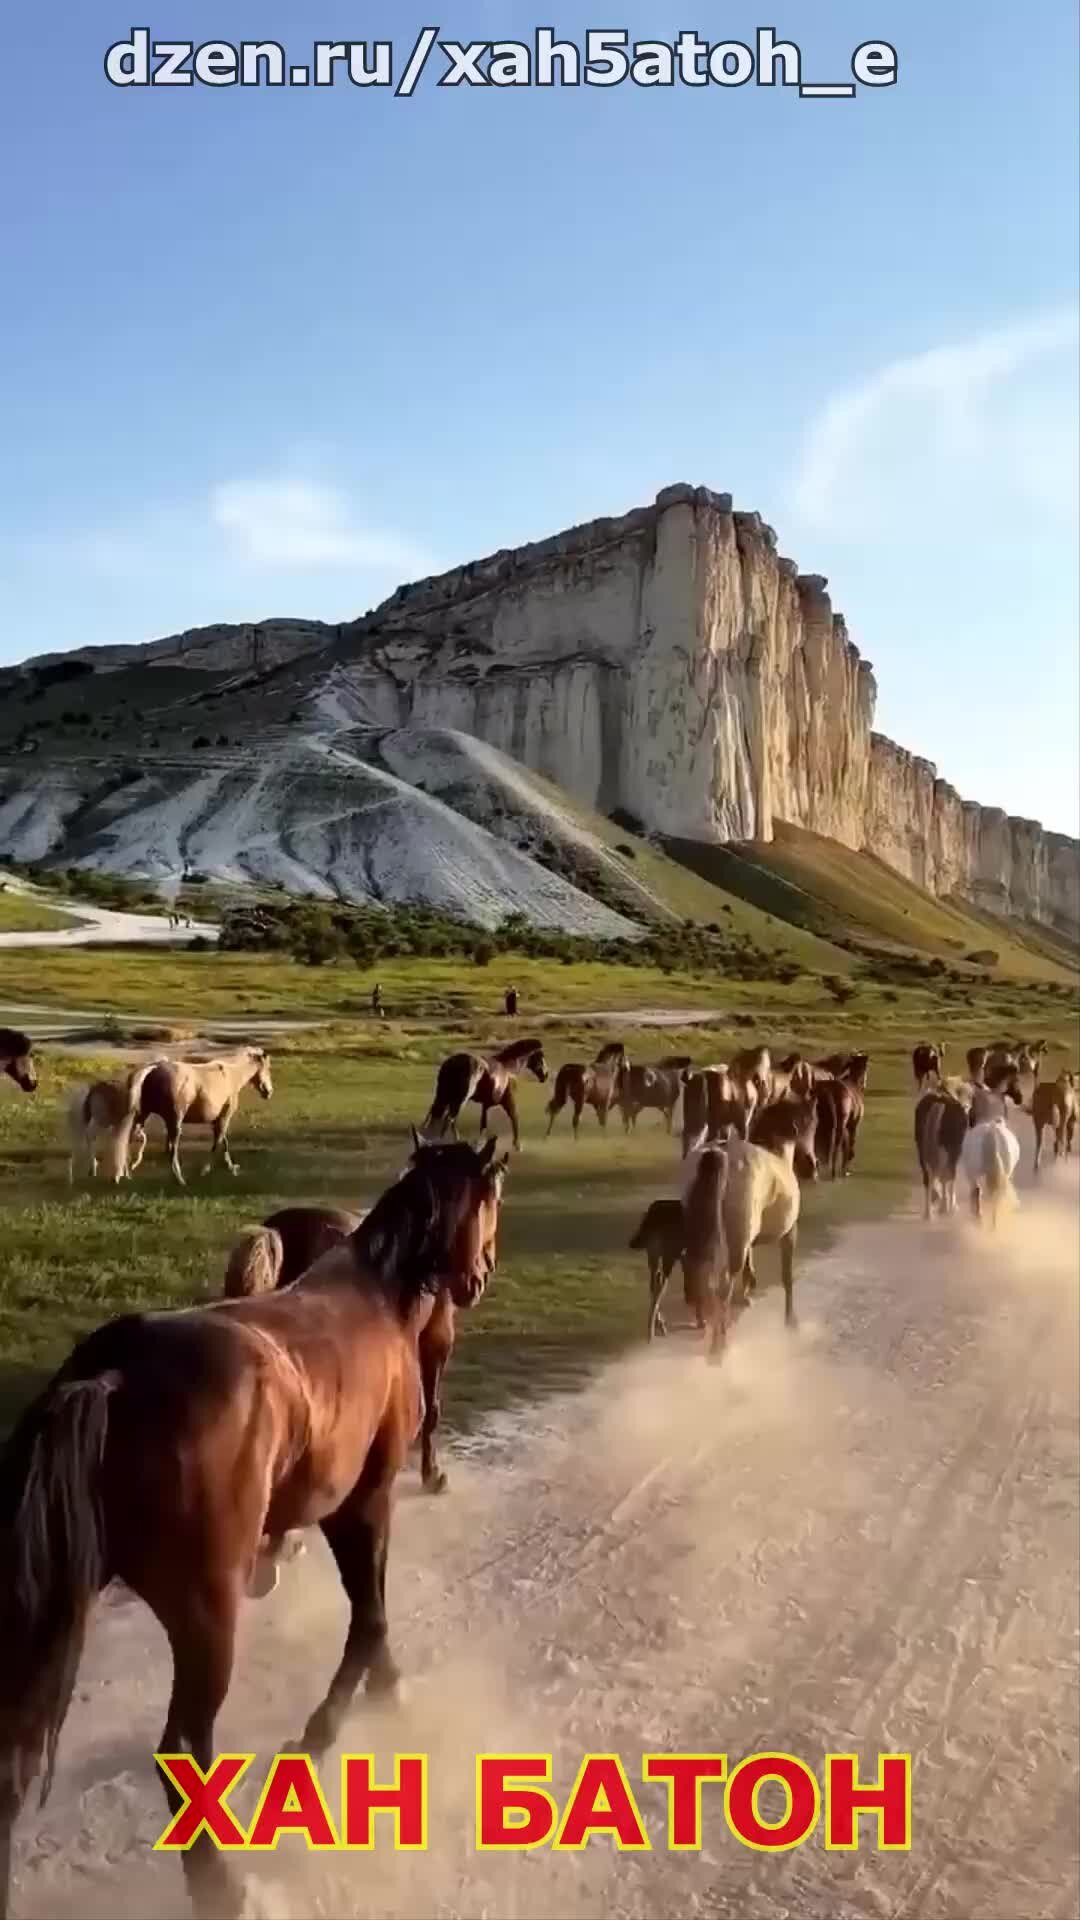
(862, 1537)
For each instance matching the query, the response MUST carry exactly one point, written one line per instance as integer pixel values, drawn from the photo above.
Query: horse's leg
(576, 1123)
(358, 1535)
(174, 1129)
(695, 1291)
(202, 1637)
(1038, 1149)
(718, 1330)
(436, 1344)
(659, 1274)
(553, 1114)
(787, 1272)
(509, 1107)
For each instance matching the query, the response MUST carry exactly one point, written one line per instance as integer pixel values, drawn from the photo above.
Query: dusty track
(862, 1537)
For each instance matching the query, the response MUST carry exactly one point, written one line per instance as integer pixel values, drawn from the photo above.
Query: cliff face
(671, 663)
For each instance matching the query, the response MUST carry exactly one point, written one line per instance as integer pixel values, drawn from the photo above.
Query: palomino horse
(991, 1152)
(106, 1111)
(1054, 1105)
(487, 1083)
(295, 1242)
(171, 1444)
(762, 1201)
(16, 1050)
(201, 1093)
(579, 1086)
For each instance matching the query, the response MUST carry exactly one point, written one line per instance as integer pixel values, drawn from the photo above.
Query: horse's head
(859, 1068)
(465, 1186)
(537, 1065)
(16, 1051)
(1003, 1078)
(261, 1079)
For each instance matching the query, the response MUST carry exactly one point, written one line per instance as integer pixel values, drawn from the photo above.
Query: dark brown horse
(579, 1086)
(171, 1444)
(840, 1108)
(16, 1050)
(941, 1127)
(487, 1082)
(847, 1066)
(656, 1087)
(662, 1238)
(289, 1245)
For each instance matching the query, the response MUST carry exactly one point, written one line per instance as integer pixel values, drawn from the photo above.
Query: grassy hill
(835, 893)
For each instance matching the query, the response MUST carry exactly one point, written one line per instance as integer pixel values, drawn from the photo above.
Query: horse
(752, 1069)
(762, 1201)
(486, 1082)
(16, 1058)
(594, 1086)
(991, 1152)
(942, 1122)
(1054, 1104)
(662, 1238)
(771, 1127)
(840, 1107)
(294, 1243)
(853, 1067)
(927, 1062)
(106, 1109)
(640, 1087)
(171, 1444)
(794, 1076)
(976, 1058)
(201, 1093)
(713, 1101)
(703, 1256)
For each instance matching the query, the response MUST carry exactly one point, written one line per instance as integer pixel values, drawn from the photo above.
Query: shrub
(483, 953)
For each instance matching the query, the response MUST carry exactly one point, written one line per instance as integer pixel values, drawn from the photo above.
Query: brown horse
(942, 1121)
(1054, 1104)
(662, 1238)
(289, 1245)
(976, 1058)
(655, 1087)
(579, 1086)
(201, 1093)
(841, 1106)
(16, 1050)
(170, 1444)
(487, 1082)
(713, 1101)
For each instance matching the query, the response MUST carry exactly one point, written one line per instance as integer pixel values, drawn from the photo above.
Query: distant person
(376, 1002)
(511, 1001)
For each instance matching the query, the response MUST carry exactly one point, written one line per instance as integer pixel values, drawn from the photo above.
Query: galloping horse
(840, 1108)
(1054, 1104)
(293, 1243)
(201, 1093)
(991, 1152)
(595, 1086)
(487, 1083)
(942, 1120)
(762, 1201)
(171, 1444)
(657, 1087)
(15, 1058)
(713, 1101)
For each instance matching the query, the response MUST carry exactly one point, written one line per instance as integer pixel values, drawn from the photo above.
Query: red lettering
(684, 1773)
(602, 1802)
(498, 1798)
(291, 1778)
(406, 1800)
(803, 1802)
(889, 1798)
(204, 1796)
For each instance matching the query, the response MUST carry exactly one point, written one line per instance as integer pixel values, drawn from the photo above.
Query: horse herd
(180, 1454)
(961, 1121)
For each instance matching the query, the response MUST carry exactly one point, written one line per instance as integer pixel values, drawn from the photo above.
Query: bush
(483, 953)
(982, 957)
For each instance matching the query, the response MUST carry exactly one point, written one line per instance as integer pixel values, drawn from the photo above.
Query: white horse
(990, 1154)
(762, 1201)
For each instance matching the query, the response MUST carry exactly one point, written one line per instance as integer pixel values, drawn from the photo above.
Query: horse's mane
(402, 1243)
(517, 1050)
(615, 1050)
(14, 1043)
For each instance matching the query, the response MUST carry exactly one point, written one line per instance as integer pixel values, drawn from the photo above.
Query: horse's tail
(255, 1263)
(648, 1227)
(560, 1093)
(52, 1566)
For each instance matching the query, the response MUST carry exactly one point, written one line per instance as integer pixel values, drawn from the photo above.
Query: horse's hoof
(436, 1482)
(387, 1690)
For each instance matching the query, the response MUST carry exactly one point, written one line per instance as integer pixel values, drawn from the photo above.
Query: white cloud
(293, 523)
(954, 420)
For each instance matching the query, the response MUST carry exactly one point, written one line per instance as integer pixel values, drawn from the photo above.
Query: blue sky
(271, 352)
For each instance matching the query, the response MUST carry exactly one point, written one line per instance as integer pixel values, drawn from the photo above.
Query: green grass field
(22, 914)
(568, 1292)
